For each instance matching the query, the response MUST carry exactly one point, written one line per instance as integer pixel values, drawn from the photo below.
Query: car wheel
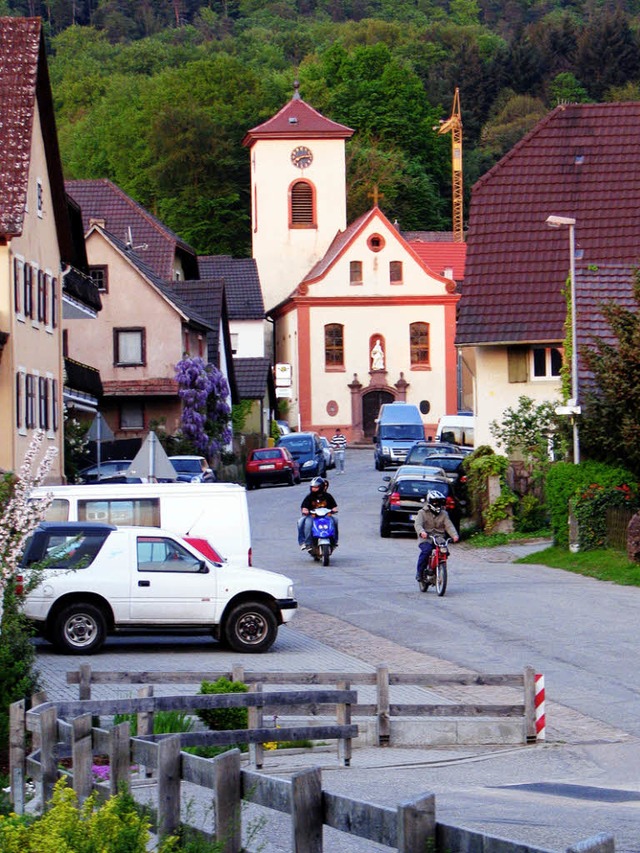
(249, 485)
(251, 627)
(385, 528)
(80, 629)
(291, 481)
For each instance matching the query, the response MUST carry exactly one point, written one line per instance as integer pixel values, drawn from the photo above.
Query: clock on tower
(301, 157)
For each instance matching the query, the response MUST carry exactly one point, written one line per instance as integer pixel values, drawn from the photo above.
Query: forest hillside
(156, 95)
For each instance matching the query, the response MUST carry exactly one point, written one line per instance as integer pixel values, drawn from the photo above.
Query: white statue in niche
(377, 356)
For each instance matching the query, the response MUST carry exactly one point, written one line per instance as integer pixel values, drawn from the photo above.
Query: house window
(18, 284)
(43, 402)
(30, 399)
(376, 242)
(234, 343)
(131, 415)
(333, 345)
(201, 343)
(100, 277)
(65, 343)
(28, 290)
(129, 346)
(395, 272)
(39, 197)
(419, 344)
(42, 297)
(187, 343)
(355, 272)
(55, 423)
(302, 205)
(545, 362)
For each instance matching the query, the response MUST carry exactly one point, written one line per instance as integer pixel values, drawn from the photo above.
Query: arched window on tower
(302, 205)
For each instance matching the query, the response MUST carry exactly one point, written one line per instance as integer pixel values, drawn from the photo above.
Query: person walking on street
(339, 444)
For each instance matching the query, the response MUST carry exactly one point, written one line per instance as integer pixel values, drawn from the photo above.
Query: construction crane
(454, 124)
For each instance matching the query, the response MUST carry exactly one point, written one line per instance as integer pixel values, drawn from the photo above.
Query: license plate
(266, 467)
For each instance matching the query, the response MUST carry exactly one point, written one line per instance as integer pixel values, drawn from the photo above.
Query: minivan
(306, 447)
(457, 429)
(398, 427)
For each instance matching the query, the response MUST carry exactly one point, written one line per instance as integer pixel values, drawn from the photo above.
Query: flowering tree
(20, 516)
(206, 412)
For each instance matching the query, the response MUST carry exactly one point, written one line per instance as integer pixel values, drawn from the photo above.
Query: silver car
(329, 455)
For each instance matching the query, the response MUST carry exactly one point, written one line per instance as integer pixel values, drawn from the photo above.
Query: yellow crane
(454, 124)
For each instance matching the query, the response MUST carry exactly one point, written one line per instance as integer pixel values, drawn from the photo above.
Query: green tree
(566, 89)
(610, 422)
(607, 53)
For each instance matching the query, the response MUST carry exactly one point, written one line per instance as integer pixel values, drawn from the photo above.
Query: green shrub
(591, 506)
(223, 719)
(164, 722)
(566, 481)
(531, 515)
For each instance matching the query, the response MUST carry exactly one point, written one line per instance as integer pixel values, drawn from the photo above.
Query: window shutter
(517, 359)
(302, 204)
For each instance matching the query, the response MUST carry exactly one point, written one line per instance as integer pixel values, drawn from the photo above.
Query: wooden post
(84, 681)
(255, 721)
(119, 756)
(227, 801)
(145, 723)
(48, 740)
(17, 756)
(384, 724)
(37, 699)
(306, 811)
(237, 672)
(168, 785)
(529, 704)
(417, 824)
(343, 718)
(82, 756)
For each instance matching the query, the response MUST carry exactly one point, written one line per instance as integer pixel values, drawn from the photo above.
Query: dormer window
(39, 197)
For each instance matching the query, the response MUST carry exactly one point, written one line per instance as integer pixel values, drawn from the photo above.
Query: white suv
(100, 579)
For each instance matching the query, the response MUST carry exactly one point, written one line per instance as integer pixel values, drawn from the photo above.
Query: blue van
(398, 427)
(307, 449)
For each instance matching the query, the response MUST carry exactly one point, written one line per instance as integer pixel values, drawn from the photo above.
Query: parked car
(271, 465)
(455, 473)
(102, 579)
(404, 496)
(422, 450)
(109, 468)
(329, 455)
(306, 448)
(193, 469)
(283, 427)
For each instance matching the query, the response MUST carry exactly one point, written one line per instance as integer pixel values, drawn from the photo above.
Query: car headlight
(386, 450)
(196, 479)
(290, 592)
(309, 463)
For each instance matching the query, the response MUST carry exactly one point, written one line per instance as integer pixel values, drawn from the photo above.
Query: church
(358, 318)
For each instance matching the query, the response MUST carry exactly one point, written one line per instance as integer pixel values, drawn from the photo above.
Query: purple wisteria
(206, 413)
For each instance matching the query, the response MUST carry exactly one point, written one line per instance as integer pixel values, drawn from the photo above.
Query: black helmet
(435, 501)
(318, 483)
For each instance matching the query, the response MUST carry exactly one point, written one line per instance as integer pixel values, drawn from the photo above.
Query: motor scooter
(435, 573)
(323, 534)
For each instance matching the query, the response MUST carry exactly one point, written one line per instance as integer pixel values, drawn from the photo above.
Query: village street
(496, 617)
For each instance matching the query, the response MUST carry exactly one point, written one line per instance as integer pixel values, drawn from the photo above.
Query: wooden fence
(618, 519)
(382, 680)
(410, 827)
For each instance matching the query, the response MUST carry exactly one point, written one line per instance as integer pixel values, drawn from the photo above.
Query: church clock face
(301, 157)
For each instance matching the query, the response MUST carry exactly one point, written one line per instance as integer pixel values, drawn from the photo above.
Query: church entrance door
(371, 402)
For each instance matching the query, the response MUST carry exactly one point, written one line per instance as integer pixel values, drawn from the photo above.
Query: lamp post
(573, 408)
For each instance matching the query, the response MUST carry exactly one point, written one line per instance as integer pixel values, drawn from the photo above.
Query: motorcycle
(435, 574)
(323, 535)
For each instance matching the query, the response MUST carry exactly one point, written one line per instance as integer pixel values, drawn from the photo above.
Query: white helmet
(435, 501)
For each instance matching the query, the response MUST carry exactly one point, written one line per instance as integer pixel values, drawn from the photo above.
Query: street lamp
(573, 408)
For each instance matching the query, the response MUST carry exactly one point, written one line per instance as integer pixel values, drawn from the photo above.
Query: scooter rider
(318, 497)
(432, 518)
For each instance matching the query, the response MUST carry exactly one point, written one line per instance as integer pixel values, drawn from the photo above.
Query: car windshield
(191, 466)
(296, 443)
(267, 454)
(417, 489)
(449, 465)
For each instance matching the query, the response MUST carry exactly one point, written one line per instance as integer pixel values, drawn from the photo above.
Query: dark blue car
(306, 448)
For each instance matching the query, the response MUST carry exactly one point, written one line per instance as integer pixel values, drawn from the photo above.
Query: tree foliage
(611, 419)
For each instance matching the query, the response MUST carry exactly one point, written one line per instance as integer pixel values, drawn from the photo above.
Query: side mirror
(204, 568)
(387, 479)
(382, 488)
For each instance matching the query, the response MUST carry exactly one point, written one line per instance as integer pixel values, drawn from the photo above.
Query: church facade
(358, 318)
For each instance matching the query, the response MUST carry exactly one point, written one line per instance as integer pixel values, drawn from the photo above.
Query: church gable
(371, 258)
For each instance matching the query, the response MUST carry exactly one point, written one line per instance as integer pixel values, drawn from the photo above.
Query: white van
(216, 512)
(456, 429)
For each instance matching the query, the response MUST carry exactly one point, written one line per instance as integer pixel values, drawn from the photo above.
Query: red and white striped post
(539, 706)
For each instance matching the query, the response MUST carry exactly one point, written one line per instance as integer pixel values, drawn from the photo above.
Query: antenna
(129, 242)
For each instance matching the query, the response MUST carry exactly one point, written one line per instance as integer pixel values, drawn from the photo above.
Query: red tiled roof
(440, 256)
(297, 119)
(154, 242)
(139, 387)
(581, 161)
(19, 49)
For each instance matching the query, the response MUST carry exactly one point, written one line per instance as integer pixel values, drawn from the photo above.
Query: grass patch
(603, 565)
(478, 539)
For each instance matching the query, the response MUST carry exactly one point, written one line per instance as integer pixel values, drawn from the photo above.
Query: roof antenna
(129, 242)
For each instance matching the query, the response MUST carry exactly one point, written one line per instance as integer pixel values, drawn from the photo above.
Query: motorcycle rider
(318, 496)
(432, 518)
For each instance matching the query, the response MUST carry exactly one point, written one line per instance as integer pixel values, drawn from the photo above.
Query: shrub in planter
(223, 719)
